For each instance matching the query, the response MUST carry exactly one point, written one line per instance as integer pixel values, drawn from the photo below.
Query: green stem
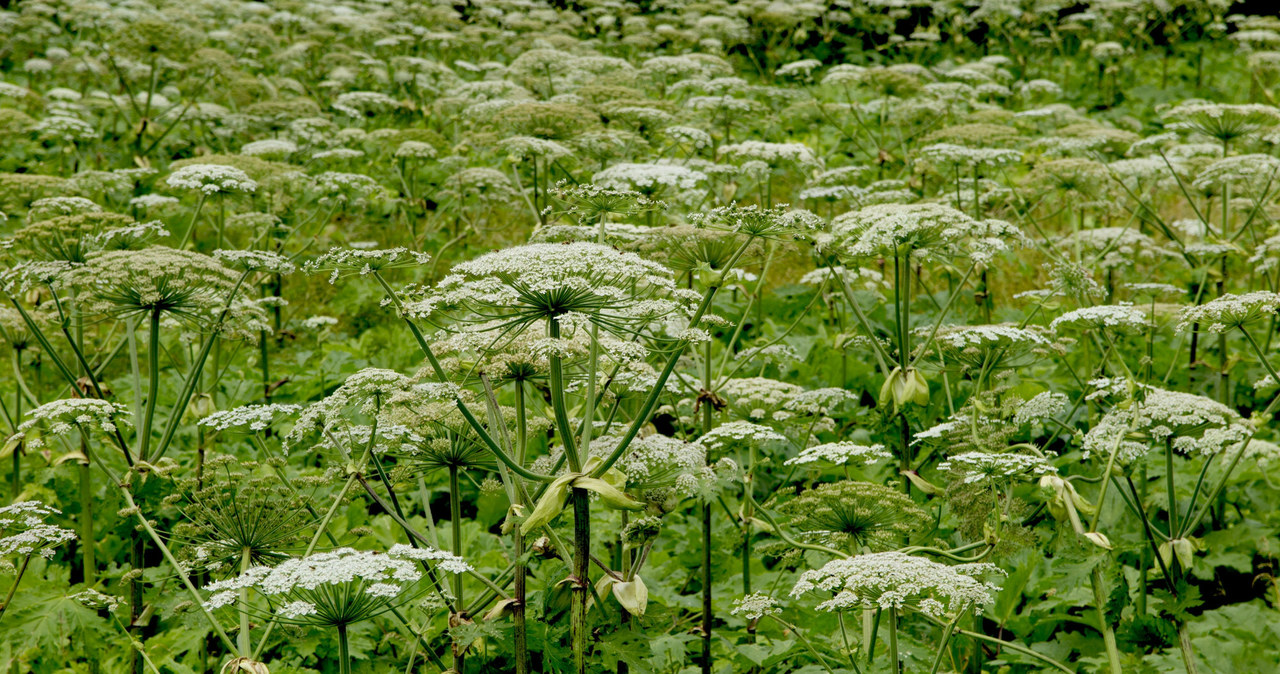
(1016, 647)
(894, 659)
(942, 645)
(807, 644)
(321, 530)
(344, 650)
(582, 588)
(946, 308)
(708, 612)
(518, 608)
(1188, 650)
(522, 423)
(187, 237)
(882, 356)
(153, 385)
(242, 638)
(1104, 625)
(1174, 531)
(8, 597)
(563, 428)
(455, 514)
(193, 377)
(137, 562)
(87, 539)
(177, 568)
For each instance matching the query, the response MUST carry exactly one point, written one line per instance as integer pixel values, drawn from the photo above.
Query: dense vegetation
(671, 336)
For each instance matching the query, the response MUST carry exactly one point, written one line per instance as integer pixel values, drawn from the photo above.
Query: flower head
(24, 531)
(1230, 311)
(340, 587)
(893, 580)
(1192, 424)
(61, 417)
(211, 179)
(755, 606)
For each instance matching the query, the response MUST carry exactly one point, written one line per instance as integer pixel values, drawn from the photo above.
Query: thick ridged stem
(519, 590)
(895, 660)
(136, 560)
(581, 581)
(87, 539)
(1104, 625)
(344, 650)
(517, 610)
(1188, 650)
(153, 385)
(242, 639)
(708, 614)
(455, 514)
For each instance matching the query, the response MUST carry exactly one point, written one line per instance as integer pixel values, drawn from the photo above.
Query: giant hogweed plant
(744, 337)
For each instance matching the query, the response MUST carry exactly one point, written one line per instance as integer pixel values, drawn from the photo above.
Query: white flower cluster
(755, 606)
(967, 336)
(1264, 452)
(390, 438)
(543, 280)
(1230, 311)
(318, 322)
(760, 398)
(773, 353)
(689, 135)
(802, 68)
(773, 154)
(893, 580)
(1119, 317)
(342, 261)
(649, 178)
(65, 128)
(1042, 406)
(526, 147)
(657, 464)
(249, 417)
(1157, 289)
(256, 260)
(817, 402)
(23, 530)
(415, 149)
(1192, 424)
(43, 209)
(923, 230)
(1114, 246)
(440, 559)
(60, 417)
(1219, 119)
(157, 277)
(272, 148)
(974, 467)
(738, 434)
(362, 392)
(841, 454)
(211, 179)
(360, 103)
(1250, 171)
(339, 586)
(969, 157)
(130, 236)
(153, 201)
(345, 187)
